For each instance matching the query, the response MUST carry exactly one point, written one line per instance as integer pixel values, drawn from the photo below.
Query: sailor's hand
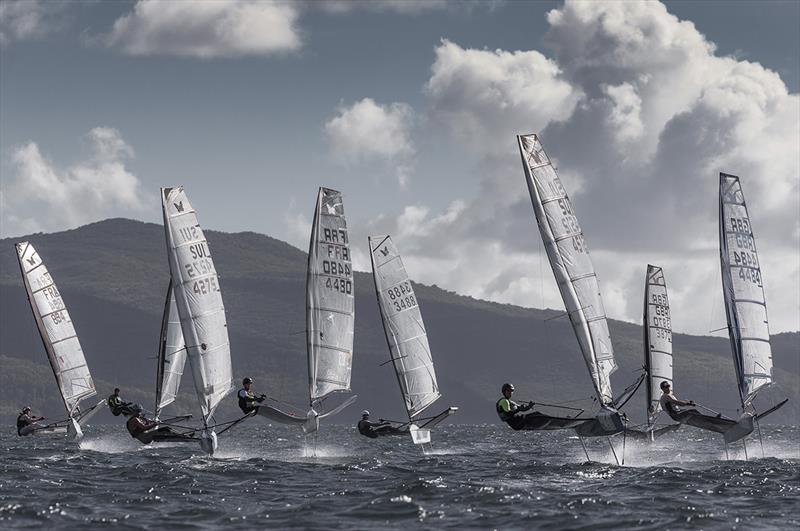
(381, 420)
(261, 398)
(691, 403)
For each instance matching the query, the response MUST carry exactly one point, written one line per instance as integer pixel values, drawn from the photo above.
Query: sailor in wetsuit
(373, 429)
(120, 407)
(509, 411)
(146, 430)
(27, 423)
(248, 401)
(672, 405)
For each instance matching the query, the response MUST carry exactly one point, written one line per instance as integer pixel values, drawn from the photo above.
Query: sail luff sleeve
(743, 291)
(571, 264)
(330, 299)
(55, 326)
(198, 301)
(405, 330)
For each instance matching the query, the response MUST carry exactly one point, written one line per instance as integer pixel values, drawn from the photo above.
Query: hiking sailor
(672, 405)
(120, 407)
(508, 410)
(147, 431)
(248, 401)
(374, 429)
(27, 423)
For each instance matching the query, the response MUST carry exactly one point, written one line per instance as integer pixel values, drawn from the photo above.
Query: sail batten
(657, 338)
(569, 259)
(743, 291)
(330, 302)
(406, 336)
(60, 340)
(198, 301)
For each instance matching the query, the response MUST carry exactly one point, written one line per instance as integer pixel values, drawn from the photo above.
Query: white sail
(402, 323)
(569, 258)
(198, 300)
(55, 326)
(330, 303)
(657, 338)
(171, 354)
(742, 286)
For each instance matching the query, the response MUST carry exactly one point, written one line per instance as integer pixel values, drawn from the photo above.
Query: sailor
(120, 407)
(248, 401)
(27, 423)
(146, 430)
(373, 429)
(507, 409)
(672, 405)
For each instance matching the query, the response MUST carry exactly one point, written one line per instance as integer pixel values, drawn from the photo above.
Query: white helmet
(365, 413)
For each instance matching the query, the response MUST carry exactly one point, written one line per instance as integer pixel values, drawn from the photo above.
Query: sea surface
(481, 477)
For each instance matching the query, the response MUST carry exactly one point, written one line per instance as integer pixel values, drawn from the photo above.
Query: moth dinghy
(657, 327)
(745, 307)
(572, 267)
(330, 315)
(201, 314)
(61, 344)
(407, 339)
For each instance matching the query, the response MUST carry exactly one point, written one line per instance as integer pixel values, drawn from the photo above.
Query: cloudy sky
(411, 110)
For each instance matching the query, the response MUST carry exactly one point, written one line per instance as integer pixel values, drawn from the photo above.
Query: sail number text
(402, 296)
(740, 225)
(337, 262)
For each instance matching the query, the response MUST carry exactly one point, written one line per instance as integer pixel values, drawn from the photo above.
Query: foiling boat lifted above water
(575, 275)
(198, 301)
(657, 344)
(745, 305)
(61, 344)
(407, 338)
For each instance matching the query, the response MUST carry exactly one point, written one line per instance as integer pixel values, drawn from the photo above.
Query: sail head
(403, 325)
(743, 291)
(572, 266)
(56, 329)
(330, 302)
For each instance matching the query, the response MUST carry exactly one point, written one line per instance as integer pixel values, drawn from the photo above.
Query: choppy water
(474, 476)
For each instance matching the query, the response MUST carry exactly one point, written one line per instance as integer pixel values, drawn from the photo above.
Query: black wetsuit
(25, 424)
(375, 429)
(119, 407)
(692, 417)
(143, 430)
(512, 416)
(248, 402)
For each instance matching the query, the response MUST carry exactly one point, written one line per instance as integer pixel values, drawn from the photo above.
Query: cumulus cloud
(43, 197)
(405, 7)
(368, 132)
(28, 19)
(639, 115)
(220, 28)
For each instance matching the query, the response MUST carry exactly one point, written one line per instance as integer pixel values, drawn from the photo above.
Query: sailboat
(575, 275)
(60, 342)
(407, 338)
(657, 326)
(330, 316)
(200, 309)
(745, 305)
(330, 308)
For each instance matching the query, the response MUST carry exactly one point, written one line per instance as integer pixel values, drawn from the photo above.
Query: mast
(56, 329)
(405, 331)
(198, 301)
(657, 338)
(569, 258)
(743, 291)
(330, 304)
(171, 354)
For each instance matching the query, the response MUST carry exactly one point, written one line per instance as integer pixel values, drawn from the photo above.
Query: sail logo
(385, 251)
(178, 206)
(32, 260)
